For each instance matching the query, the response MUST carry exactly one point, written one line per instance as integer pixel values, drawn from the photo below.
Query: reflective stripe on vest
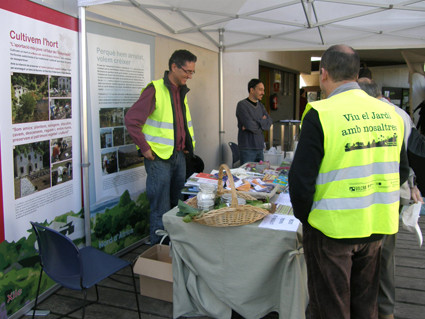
(358, 172)
(357, 203)
(357, 189)
(159, 127)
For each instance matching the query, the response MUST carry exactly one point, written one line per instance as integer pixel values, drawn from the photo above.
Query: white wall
(398, 76)
(203, 98)
(238, 69)
(393, 76)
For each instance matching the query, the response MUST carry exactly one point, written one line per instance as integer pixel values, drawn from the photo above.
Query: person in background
(365, 72)
(56, 151)
(408, 192)
(253, 120)
(303, 101)
(344, 185)
(161, 126)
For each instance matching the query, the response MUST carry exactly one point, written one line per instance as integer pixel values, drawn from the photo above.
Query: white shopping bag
(409, 220)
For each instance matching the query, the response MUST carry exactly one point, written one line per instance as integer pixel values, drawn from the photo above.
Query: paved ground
(117, 298)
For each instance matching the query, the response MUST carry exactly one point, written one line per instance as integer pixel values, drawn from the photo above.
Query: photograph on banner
(60, 109)
(40, 134)
(61, 172)
(29, 97)
(31, 168)
(61, 148)
(119, 67)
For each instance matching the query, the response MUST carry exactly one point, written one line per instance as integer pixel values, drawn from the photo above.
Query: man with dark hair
(408, 192)
(161, 126)
(365, 72)
(253, 120)
(344, 185)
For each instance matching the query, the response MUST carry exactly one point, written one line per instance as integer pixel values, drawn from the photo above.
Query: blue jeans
(164, 183)
(250, 155)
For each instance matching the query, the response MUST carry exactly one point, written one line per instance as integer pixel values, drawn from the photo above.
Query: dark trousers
(343, 279)
(250, 155)
(386, 297)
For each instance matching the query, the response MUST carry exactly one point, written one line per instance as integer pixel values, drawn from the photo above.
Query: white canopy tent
(269, 25)
(273, 25)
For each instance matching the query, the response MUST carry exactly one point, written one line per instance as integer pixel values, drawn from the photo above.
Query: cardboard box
(155, 271)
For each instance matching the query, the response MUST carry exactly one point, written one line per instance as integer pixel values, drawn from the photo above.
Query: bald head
(341, 62)
(370, 87)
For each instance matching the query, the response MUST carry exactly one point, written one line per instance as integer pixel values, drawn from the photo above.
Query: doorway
(280, 96)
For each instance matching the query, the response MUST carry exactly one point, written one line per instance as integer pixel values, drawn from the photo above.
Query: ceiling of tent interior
(378, 29)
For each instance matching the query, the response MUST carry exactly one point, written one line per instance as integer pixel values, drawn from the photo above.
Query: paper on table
(283, 199)
(284, 210)
(280, 222)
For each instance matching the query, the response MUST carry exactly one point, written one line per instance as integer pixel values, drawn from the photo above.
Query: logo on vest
(357, 188)
(360, 188)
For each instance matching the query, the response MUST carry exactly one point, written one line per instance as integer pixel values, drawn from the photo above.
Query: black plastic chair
(74, 268)
(235, 154)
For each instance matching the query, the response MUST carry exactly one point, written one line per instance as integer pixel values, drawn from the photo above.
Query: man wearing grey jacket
(253, 120)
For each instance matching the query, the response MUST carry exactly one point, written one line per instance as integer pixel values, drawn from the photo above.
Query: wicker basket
(234, 215)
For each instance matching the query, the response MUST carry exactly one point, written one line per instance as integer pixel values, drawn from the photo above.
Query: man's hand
(264, 117)
(149, 155)
(243, 128)
(415, 195)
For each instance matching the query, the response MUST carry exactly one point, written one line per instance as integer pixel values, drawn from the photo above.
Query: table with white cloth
(249, 269)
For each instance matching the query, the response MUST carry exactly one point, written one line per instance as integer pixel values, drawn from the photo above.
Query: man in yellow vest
(161, 126)
(344, 184)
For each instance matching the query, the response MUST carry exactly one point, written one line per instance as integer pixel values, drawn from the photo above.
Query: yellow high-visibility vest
(358, 186)
(159, 126)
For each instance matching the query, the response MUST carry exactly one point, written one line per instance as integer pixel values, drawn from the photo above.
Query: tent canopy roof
(273, 25)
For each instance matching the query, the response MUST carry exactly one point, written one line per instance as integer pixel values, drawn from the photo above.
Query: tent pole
(84, 123)
(410, 95)
(220, 88)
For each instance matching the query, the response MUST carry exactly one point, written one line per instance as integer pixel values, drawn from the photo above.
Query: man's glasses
(188, 72)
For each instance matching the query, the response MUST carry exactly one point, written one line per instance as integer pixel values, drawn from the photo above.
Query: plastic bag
(409, 220)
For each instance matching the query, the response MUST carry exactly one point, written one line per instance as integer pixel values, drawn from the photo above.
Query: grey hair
(370, 87)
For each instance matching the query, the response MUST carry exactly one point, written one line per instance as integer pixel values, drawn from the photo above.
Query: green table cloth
(251, 270)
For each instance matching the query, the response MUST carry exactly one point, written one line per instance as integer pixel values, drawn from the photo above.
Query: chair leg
(36, 296)
(97, 293)
(135, 291)
(84, 301)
